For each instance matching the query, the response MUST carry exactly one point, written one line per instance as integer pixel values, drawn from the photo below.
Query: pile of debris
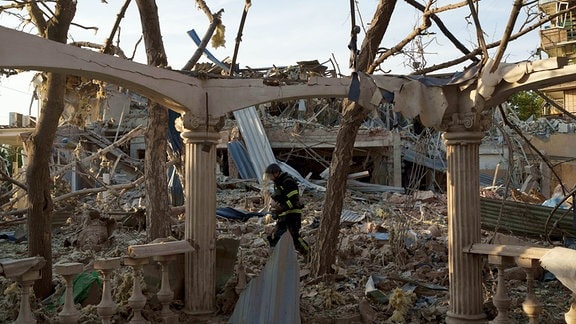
(391, 264)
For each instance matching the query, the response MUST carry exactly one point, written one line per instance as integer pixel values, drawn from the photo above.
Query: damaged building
(394, 253)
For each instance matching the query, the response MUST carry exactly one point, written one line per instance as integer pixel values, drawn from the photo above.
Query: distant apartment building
(558, 39)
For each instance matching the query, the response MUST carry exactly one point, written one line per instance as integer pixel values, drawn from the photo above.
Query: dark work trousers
(292, 223)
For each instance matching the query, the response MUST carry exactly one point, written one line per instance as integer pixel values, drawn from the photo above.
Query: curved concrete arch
(184, 93)
(534, 80)
(29, 52)
(226, 95)
(172, 89)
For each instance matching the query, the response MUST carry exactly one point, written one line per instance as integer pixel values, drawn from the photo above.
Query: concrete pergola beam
(172, 89)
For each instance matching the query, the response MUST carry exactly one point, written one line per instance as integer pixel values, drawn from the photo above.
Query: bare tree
(367, 60)
(39, 144)
(156, 182)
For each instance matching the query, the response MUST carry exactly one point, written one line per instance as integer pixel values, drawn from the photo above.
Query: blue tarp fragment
(8, 236)
(242, 160)
(192, 33)
(231, 213)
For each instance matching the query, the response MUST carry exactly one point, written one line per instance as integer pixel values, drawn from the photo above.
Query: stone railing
(26, 271)
(528, 258)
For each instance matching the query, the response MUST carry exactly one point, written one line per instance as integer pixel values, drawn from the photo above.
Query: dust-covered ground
(397, 242)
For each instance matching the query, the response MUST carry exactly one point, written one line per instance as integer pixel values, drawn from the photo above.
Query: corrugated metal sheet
(242, 160)
(524, 219)
(258, 147)
(255, 138)
(349, 216)
(273, 296)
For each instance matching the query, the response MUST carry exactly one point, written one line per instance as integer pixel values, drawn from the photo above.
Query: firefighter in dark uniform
(286, 208)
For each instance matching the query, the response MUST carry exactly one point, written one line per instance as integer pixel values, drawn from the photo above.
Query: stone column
(200, 138)
(463, 184)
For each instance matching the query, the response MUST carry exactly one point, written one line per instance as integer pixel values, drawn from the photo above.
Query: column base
(452, 318)
(198, 312)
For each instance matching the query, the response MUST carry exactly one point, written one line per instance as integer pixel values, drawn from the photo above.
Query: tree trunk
(156, 176)
(39, 180)
(371, 42)
(156, 136)
(40, 147)
(325, 252)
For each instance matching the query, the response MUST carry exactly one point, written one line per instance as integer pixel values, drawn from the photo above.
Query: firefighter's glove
(275, 208)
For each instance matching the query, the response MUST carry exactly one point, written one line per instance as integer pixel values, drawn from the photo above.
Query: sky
(276, 33)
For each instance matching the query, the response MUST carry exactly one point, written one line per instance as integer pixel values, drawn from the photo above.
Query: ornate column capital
(466, 122)
(195, 129)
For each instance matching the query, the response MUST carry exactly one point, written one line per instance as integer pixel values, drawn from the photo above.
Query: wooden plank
(518, 251)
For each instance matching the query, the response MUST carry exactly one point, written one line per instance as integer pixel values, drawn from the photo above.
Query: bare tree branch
(204, 7)
(427, 13)
(478, 51)
(239, 36)
(398, 47)
(554, 104)
(6, 177)
(443, 28)
(88, 191)
(114, 50)
(527, 141)
(37, 16)
(479, 32)
(108, 44)
(507, 32)
(114, 188)
(85, 27)
(215, 21)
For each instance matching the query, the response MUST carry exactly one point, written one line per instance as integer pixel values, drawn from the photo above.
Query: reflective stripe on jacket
(287, 195)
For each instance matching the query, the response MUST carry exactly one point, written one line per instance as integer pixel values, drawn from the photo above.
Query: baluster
(24, 272)
(501, 299)
(570, 317)
(165, 294)
(531, 305)
(68, 271)
(25, 315)
(107, 307)
(137, 301)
